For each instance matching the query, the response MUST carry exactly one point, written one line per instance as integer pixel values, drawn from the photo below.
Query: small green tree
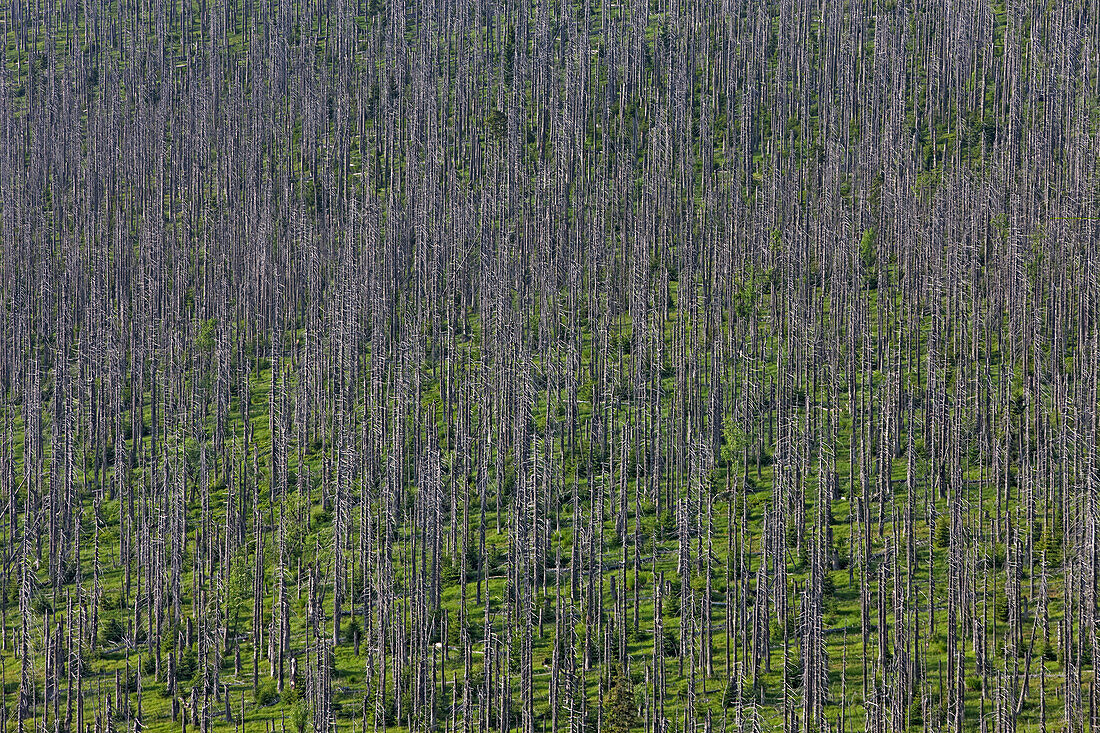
(112, 631)
(868, 254)
(187, 666)
(497, 123)
(943, 532)
(620, 707)
(352, 629)
(1051, 543)
(448, 572)
(868, 257)
(666, 526)
(299, 716)
(267, 693)
(734, 440)
(729, 697)
(1000, 606)
(670, 645)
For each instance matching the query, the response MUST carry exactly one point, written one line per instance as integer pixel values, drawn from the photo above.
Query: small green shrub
(1000, 607)
(187, 665)
(351, 628)
(666, 526)
(916, 715)
(998, 553)
(111, 601)
(266, 693)
(670, 643)
(299, 716)
(112, 631)
(40, 604)
(448, 572)
(620, 707)
(729, 697)
(942, 536)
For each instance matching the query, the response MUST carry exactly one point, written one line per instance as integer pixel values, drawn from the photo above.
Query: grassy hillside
(640, 366)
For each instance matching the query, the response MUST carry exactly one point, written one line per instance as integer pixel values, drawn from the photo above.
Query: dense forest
(549, 365)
